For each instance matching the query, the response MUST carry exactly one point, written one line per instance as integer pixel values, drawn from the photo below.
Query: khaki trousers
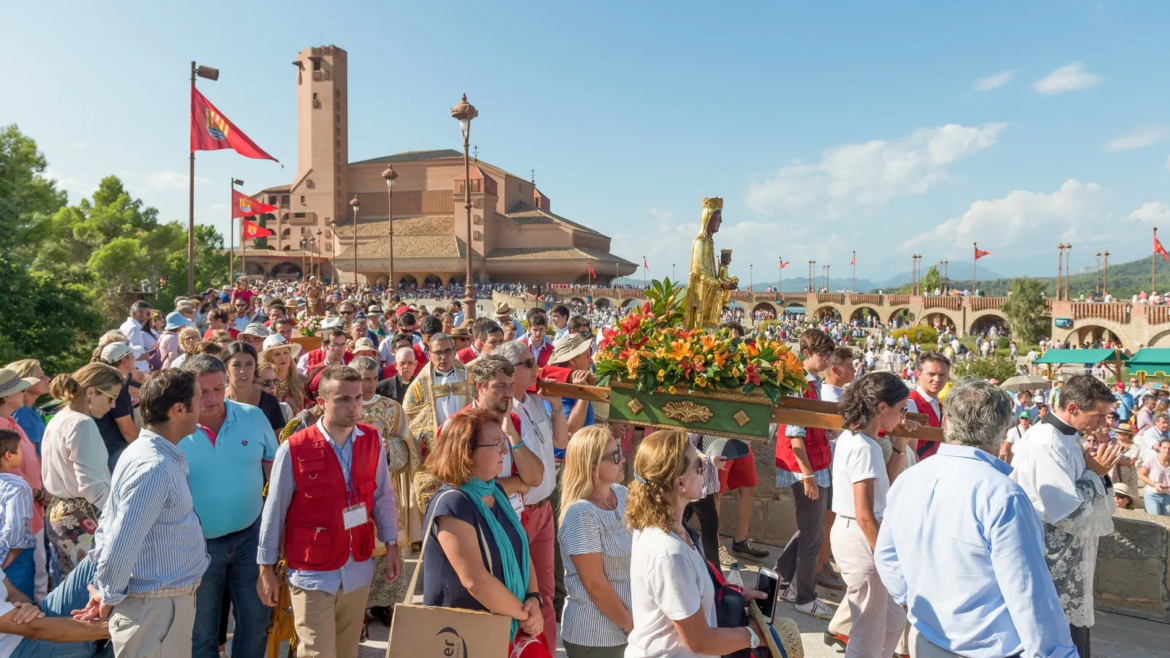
(153, 628)
(842, 625)
(328, 625)
(878, 622)
(921, 648)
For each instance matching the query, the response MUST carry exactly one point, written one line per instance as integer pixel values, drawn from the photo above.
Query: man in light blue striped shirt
(150, 553)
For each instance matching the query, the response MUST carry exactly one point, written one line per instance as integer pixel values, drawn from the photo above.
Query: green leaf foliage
(1025, 310)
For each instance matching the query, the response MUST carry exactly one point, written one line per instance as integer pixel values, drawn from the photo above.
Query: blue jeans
(233, 569)
(69, 596)
(1157, 503)
(22, 572)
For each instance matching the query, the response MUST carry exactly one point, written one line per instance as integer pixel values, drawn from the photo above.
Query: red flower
(630, 322)
(753, 373)
(646, 308)
(88, 526)
(607, 335)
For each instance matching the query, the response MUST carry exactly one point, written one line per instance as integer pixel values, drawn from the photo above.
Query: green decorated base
(730, 414)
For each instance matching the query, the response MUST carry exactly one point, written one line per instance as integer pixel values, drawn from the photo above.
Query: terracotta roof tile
(425, 225)
(409, 246)
(413, 156)
(526, 213)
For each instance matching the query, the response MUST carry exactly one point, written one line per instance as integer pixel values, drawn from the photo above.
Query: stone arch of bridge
(627, 302)
(932, 317)
(603, 302)
(1094, 331)
(984, 320)
(765, 306)
(862, 312)
(824, 310)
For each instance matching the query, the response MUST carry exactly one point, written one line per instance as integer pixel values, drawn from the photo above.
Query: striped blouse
(16, 508)
(590, 529)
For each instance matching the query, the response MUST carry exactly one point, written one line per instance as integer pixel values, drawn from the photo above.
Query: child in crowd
(16, 501)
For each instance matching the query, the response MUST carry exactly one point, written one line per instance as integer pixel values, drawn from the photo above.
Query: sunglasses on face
(615, 457)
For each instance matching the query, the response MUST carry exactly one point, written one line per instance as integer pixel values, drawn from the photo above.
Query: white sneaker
(725, 558)
(788, 593)
(817, 609)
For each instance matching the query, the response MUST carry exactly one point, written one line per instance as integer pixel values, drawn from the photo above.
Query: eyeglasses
(493, 446)
(112, 396)
(615, 457)
(528, 363)
(269, 383)
(445, 352)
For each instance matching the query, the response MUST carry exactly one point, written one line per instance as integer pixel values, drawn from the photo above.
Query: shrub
(996, 367)
(919, 334)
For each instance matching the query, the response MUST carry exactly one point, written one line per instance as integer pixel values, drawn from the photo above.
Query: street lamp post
(465, 112)
(672, 271)
(390, 175)
(356, 204)
(334, 243)
(232, 240)
(1059, 270)
(811, 263)
(751, 277)
(1105, 282)
(1067, 270)
(946, 276)
(1097, 282)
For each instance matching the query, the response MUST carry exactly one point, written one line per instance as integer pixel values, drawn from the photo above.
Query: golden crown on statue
(714, 203)
(724, 252)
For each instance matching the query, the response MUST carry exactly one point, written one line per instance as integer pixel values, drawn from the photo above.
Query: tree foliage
(65, 268)
(995, 367)
(1025, 310)
(931, 280)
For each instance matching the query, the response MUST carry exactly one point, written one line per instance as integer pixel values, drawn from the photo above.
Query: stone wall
(1133, 564)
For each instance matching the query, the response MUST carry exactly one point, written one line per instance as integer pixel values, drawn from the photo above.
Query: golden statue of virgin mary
(705, 287)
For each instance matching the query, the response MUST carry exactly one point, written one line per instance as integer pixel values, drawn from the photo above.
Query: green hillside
(1125, 280)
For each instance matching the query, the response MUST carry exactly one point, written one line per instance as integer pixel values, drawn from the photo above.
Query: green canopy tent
(1110, 358)
(1150, 361)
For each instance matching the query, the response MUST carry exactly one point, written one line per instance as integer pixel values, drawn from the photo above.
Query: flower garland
(650, 349)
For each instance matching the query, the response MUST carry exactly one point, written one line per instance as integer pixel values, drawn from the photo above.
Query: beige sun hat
(278, 342)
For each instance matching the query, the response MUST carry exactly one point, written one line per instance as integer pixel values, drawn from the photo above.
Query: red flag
(253, 230)
(245, 206)
(211, 131)
(645, 264)
(1159, 249)
(854, 261)
(783, 264)
(592, 273)
(979, 253)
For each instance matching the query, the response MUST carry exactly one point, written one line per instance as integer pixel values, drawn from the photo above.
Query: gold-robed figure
(709, 286)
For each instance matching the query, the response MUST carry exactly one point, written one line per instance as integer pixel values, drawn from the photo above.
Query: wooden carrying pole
(790, 411)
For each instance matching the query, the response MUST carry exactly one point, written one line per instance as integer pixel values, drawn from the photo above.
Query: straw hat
(364, 345)
(1124, 490)
(11, 383)
(569, 347)
(503, 310)
(1125, 428)
(278, 342)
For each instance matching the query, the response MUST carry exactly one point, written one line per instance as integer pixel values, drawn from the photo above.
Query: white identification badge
(354, 516)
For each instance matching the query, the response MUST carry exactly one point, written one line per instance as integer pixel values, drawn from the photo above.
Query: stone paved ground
(1114, 636)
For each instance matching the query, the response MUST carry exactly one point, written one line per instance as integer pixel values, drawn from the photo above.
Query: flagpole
(974, 269)
(854, 288)
(232, 236)
(191, 213)
(243, 250)
(643, 272)
(780, 274)
(1154, 264)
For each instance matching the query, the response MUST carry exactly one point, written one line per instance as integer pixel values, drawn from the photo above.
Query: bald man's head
(406, 362)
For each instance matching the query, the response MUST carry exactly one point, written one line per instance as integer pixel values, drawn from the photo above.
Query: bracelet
(900, 452)
(534, 595)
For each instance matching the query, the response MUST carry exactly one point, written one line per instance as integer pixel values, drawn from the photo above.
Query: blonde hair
(296, 384)
(187, 331)
(584, 454)
(68, 387)
(24, 367)
(660, 462)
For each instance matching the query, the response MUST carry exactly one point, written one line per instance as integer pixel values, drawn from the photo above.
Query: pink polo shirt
(30, 470)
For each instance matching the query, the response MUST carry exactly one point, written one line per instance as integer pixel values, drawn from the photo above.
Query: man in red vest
(537, 337)
(328, 535)
(934, 371)
(332, 351)
(486, 333)
(803, 458)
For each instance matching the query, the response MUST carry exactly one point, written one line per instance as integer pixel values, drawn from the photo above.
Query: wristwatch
(536, 596)
(755, 639)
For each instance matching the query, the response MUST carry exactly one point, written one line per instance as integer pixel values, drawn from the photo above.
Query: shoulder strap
(427, 538)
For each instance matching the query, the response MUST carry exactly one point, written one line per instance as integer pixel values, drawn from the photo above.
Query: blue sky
(887, 128)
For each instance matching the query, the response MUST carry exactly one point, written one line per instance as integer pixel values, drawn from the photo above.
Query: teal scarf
(515, 567)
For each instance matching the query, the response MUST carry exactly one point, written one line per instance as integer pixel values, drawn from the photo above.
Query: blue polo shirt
(226, 469)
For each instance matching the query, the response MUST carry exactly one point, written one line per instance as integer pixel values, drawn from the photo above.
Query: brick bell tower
(318, 194)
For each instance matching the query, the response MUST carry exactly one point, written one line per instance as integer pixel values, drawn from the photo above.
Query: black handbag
(731, 607)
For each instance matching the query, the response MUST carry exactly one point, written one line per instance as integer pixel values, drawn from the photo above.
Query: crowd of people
(206, 466)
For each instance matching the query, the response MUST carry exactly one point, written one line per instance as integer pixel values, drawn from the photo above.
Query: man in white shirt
(1136, 390)
(560, 320)
(1154, 434)
(1014, 434)
(544, 431)
(1064, 483)
(138, 334)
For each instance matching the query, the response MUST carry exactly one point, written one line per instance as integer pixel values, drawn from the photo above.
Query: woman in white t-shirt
(672, 595)
(872, 405)
(595, 546)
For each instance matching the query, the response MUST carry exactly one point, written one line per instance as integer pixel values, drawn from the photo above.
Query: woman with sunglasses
(74, 460)
(475, 551)
(240, 359)
(672, 595)
(872, 406)
(595, 546)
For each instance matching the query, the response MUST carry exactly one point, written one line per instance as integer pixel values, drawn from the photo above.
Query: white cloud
(1072, 77)
(1154, 212)
(863, 177)
(993, 81)
(1140, 138)
(1014, 222)
(168, 181)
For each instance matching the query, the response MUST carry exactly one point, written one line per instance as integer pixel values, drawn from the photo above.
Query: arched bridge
(965, 314)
